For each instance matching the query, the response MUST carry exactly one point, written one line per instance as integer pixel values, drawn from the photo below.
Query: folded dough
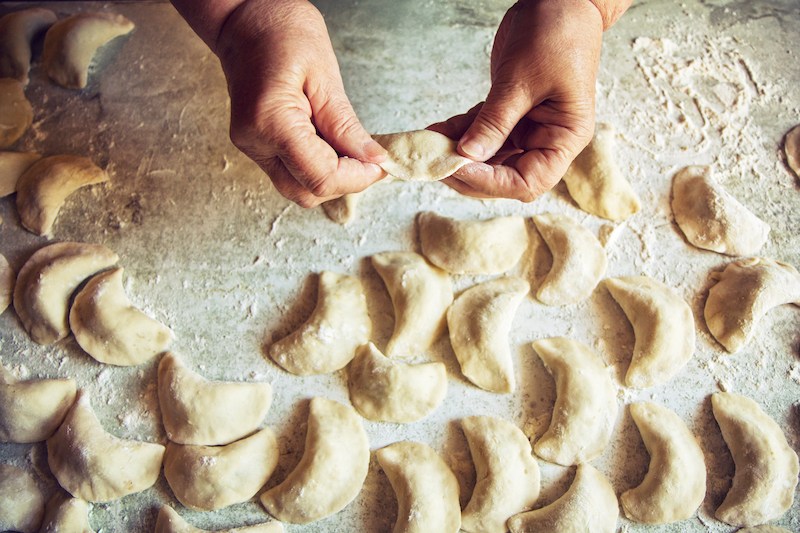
(16, 113)
(327, 341)
(342, 210)
(96, 466)
(21, 503)
(17, 30)
(791, 148)
(479, 322)
(66, 514)
(421, 155)
(387, 391)
(421, 294)
(198, 411)
(7, 279)
(12, 166)
(170, 521)
(472, 247)
(711, 218)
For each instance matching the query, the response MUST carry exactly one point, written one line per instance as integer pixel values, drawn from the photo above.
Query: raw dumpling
(332, 470)
(42, 189)
(97, 466)
(46, 282)
(579, 261)
(472, 247)
(745, 291)
(588, 505)
(479, 322)
(16, 113)
(206, 478)
(663, 326)
(12, 166)
(342, 210)
(327, 341)
(171, 522)
(586, 403)
(711, 218)
(108, 326)
(17, 30)
(595, 182)
(675, 484)
(421, 294)
(31, 411)
(507, 474)
(388, 391)
(791, 147)
(426, 489)
(766, 466)
(420, 155)
(7, 279)
(66, 514)
(21, 503)
(198, 411)
(70, 44)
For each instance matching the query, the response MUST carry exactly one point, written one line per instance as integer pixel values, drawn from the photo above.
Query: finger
(287, 186)
(462, 188)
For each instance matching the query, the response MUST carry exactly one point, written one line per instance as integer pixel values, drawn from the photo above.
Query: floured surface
(213, 252)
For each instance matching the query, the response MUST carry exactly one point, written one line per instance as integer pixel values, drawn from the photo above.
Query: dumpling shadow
(294, 314)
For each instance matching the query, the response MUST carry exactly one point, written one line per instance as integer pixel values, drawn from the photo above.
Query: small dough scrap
(327, 341)
(208, 413)
(332, 470)
(586, 403)
(21, 502)
(479, 322)
(426, 489)
(470, 246)
(766, 466)
(108, 326)
(342, 210)
(31, 411)
(711, 218)
(70, 44)
(66, 514)
(17, 30)
(791, 147)
(387, 391)
(745, 291)
(7, 280)
(96, 466)
(421, 155)
(596, 183)
(589, 505)
(421, 294)
(206, 478)
(579, 261)
(663, 326)
(42, 189)
(46, 282)
(169, 521)
(507, 474)
(675, 484)
(12, 166)
(16, 113)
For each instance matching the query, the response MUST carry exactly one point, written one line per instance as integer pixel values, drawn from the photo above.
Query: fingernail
(472, 149)
(374, 151)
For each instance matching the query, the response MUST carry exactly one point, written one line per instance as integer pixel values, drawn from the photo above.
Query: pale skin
(290, 113)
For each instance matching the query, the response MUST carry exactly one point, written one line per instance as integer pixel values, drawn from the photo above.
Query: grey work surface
(213, 251)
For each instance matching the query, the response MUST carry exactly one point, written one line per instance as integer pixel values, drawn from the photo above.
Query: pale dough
(66, 514)
(791, 148)
(342, 210)
(420, 155)
(17, 30)
(16, 113)
(21, 503)
(170, 521)
(12, 166)
(7, 279)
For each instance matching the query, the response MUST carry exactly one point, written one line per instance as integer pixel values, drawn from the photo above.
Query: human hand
(539, 113)
(289, 111)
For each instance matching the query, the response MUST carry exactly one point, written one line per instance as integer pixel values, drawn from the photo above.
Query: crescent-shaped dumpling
(169, 521)
(70, 44)
(420, 155)
(479, 322)
(17, 30)
(579, 261)
(342, 210)
(507, 474)
(327, 341)
(663, 326)
(421, 294)
(42, 189)
(208, 413)
(595, 182)
(16, 113)
(108, 326)
(426, 489)
(766, 466)
(470, 246)
(744, 292)
(12, 166)
(332, 470)
(791, 148)
(96, 466)
(7, 279)
(66, 514)
(21, 503)
(46, 282)
(588, 505)
(206, 478)
(387, 391)
(31, 411)
(586, 405)
(675, 484)
(711, 218)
